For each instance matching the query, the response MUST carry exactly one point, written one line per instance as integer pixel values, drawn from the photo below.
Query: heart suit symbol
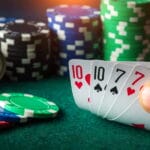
(130, 91)
(78, 84)
(88, 78)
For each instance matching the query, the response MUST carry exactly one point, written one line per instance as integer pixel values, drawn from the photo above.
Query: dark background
(36, 9)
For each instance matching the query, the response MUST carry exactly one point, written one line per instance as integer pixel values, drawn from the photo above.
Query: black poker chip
(37, 44)
(25, 55)
(26, 48)
(2, 65)
(21, 61)
(29, 77)
(23, 31)
(26, 73)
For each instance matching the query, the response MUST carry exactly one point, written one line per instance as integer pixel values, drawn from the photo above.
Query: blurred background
(36, 9)
(56, 56)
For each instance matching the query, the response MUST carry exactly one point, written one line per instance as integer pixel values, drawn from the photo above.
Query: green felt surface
(72, 129)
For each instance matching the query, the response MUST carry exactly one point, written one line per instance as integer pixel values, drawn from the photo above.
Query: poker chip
(11, 117)
(76, 32)
(28, 105)
(2, 66)
(23, 31)
(125, 30)
(25, 46)
(5, 124)
(6, 19)
(3, 19)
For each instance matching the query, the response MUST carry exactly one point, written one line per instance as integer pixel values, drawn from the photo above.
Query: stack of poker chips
(76, 32)
(2, 59)
(25, 46)
(126, 30)
(16, 108)
(2, 66)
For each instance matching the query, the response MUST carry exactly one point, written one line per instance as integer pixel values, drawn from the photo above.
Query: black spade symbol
(114, 90)
(98, 88)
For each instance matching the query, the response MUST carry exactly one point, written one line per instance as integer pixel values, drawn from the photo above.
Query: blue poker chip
(63, 70)
(3, 20)
(80, 44)
(79, 31)
(76, 33)
(72, 36)
(11, 117)
(65, 57)
(72, 13)
(6, 20)
(75, 27)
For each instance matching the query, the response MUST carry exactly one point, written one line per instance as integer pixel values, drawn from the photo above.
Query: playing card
(134, 115)
(100, 74)
(129, 91)
(80, 81)
(119, 75)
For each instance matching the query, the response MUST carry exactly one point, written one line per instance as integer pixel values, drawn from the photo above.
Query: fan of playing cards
(111, 89)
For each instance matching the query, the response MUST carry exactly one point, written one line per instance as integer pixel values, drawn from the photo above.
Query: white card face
(130, 91)
(80, 76)
(145, 64)
(100, 74)
(118, 79)
(135, 116)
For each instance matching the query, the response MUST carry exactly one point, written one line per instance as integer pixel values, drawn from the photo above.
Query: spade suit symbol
(98, 88)
(114, 90)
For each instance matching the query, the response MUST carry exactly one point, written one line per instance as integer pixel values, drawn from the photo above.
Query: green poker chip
(28, 105)
(125, 11)
(126, 34)
(132, 41)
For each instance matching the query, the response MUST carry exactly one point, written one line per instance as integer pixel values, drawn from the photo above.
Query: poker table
(73, 128)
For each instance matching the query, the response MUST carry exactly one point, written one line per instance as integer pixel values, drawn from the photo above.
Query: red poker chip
(5, 124)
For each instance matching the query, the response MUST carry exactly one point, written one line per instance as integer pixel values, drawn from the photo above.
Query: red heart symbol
(88, 78)
(78, 84)
(130, 91)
